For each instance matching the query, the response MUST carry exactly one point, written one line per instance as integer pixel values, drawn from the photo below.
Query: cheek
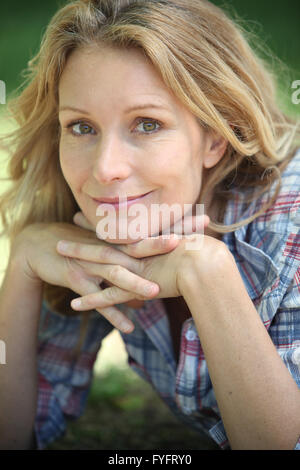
(182, 167)
(168, 159)
(73, 168)
(177, 163)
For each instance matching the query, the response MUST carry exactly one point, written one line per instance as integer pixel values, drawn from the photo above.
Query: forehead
(119, 74)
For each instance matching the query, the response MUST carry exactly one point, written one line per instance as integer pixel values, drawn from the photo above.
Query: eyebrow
(128, 110)
(71, 108)
(146, 105)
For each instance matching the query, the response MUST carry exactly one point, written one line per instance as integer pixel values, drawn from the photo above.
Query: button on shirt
(267, 254)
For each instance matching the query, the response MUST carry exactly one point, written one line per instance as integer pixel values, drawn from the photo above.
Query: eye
(148, 126)
(80, 128)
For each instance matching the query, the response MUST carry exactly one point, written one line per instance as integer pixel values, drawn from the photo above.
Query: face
(124, 134)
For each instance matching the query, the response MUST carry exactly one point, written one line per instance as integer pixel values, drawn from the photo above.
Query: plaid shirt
(267, 253)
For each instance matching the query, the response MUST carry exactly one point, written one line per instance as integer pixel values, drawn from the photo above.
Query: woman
(164, 103)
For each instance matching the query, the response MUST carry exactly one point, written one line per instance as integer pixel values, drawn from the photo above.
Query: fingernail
(148, 290)
(76, 303)
(125, 326)
(62, 246)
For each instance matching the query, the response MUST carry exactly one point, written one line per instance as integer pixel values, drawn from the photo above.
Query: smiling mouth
(121, 201)
(112, 200)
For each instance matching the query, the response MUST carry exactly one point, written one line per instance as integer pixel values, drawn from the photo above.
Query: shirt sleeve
(64, 380)
(285, 332)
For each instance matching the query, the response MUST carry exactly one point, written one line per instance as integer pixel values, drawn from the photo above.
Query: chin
(120, 237)
(122, 241)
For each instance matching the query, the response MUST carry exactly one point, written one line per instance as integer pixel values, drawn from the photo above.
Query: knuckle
(89, 301)
(110, 294)
(114, 273)
(222, 254)
(136, 285)
(214, 256)
(73, 274)
(70, 272)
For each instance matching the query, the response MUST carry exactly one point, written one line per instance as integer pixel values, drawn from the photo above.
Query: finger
(110, 264)
(80, 220)
(121, 278)
(167, 241)
(150, 246)
(106, 284)
(102, 299)
(97, 254)
(117, 318)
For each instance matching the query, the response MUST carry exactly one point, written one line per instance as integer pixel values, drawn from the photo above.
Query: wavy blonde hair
(203, 56)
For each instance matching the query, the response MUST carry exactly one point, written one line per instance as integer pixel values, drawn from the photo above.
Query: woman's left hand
(161, 269)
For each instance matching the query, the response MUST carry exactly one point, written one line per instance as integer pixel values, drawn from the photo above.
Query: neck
(212, 209)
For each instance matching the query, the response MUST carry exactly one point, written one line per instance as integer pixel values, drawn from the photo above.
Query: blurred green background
(122, 411)
(276, 23)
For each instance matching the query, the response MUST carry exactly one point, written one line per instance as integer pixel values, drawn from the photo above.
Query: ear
(216, 146)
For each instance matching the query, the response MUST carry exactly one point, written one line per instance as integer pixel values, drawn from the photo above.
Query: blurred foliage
(275, 26)
(275, 22)
(22, 25)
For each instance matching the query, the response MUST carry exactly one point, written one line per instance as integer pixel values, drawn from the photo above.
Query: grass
(124, 413)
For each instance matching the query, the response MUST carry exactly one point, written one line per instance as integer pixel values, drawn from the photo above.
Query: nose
(111, 160)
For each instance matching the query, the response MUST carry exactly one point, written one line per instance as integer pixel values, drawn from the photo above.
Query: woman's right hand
(36, 250)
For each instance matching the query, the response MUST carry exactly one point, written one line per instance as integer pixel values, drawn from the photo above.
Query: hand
(138, 250)
(36, 250)
(162, 269)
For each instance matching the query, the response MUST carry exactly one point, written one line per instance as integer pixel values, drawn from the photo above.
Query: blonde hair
(203, 56)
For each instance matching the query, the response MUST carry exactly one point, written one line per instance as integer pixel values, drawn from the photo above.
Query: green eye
(82, 128)
(148, 126)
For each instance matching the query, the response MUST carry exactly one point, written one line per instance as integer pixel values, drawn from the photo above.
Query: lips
(117, 204)
(115, 200)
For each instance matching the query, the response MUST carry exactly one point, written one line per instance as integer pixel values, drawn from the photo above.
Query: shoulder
(276, 231)
(284, 211)
(267, 250)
